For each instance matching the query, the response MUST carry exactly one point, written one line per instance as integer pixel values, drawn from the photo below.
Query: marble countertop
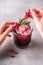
(11, 10)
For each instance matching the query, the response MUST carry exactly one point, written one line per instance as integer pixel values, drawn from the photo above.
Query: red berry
(16, 26)
(15, 52)
(28, 15)
(12, 55)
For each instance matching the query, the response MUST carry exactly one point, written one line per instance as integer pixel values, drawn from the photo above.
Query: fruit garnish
(24, 29)
(16, 26)
(27, 15)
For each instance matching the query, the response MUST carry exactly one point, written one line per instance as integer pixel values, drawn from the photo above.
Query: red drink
(22, 36)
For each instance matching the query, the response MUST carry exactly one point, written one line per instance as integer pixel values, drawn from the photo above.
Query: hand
(5, 28)
(37, 14)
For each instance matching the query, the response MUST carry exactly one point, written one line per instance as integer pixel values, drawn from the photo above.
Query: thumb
(8, 30)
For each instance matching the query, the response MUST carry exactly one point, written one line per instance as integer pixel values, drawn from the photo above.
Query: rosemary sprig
(22, 21)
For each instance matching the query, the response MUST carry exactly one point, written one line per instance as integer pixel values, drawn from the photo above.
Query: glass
(22, 41)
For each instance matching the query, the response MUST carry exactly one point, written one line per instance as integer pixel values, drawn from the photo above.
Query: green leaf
(22, 21)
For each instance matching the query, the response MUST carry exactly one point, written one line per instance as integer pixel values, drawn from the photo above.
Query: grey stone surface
(11, 10)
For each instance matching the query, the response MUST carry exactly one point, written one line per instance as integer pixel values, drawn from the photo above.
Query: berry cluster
(28, 15)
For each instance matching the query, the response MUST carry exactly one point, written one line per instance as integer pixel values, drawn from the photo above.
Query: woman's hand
(37, 14)
(5, 28)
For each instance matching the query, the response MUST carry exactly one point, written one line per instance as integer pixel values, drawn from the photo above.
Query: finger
(39, 9)
(8, 30)
(39, 12)
(5, 25)
(34, 14)
(2, 27)
(10, 23)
